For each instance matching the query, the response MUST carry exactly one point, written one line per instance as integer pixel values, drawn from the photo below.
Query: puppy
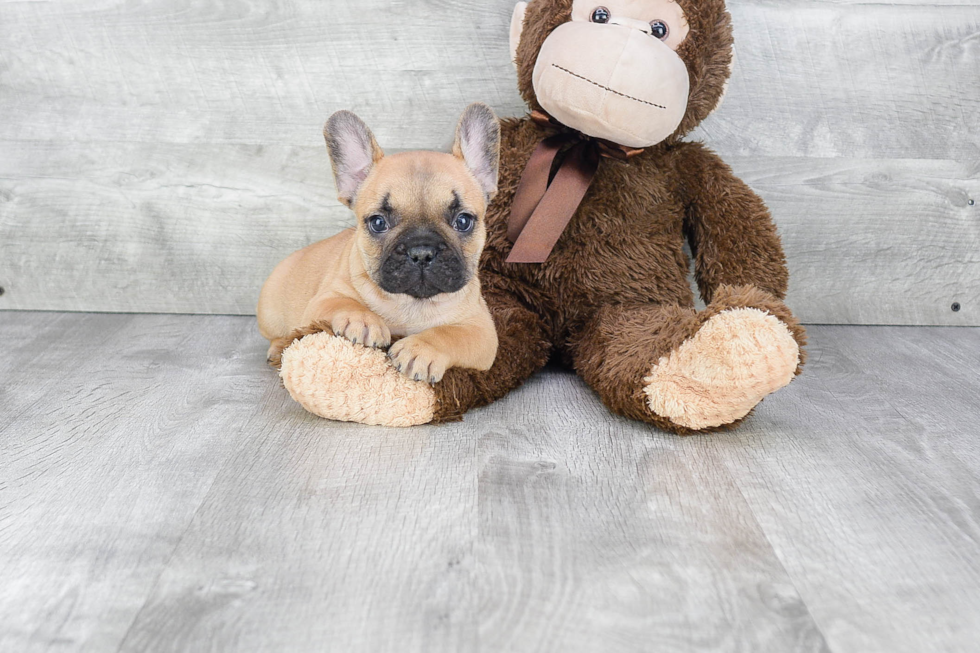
(409, 267)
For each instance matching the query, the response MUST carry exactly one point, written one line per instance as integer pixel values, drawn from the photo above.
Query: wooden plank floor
(160, 492)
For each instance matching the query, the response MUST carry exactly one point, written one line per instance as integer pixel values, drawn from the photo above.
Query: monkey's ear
(478, 145)
(353, 152)
(516, 27)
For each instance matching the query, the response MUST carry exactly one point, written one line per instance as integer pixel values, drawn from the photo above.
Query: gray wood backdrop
(164, 155)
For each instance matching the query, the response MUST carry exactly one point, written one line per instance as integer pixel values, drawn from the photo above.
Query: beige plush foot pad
(334, 378)
(738, 357)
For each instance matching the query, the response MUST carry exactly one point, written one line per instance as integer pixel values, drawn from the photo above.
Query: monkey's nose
(422, 255)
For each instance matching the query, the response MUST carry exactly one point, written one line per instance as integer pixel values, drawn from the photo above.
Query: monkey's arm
(730, 230)
(737, 252)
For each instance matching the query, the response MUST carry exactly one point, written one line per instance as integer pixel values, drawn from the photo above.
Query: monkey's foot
(337, 379)
(719, 375)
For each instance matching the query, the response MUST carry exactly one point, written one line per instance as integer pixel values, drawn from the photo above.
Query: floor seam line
(775, 552)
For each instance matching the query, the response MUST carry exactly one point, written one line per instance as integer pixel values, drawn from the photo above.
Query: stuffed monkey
(585, 256)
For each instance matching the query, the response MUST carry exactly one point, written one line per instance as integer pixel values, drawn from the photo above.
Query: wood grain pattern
(873, 241)
(162, 156)
(852, 79)
(160, 492)
(598, 534)
(170, 235)
(822, 78)
(874, 511)
(195, 228)
(319, 536)
(242, 71)
(111, 436)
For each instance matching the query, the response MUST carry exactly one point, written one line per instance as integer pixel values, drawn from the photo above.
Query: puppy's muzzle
(422, 264)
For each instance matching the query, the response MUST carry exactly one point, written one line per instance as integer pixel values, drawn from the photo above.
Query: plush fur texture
(337, 379)
(738, 357)
(613, 299)
(707, 51)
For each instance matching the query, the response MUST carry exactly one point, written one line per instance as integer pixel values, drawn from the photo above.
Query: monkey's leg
(524, 347)
(337, 379)
(689, 372)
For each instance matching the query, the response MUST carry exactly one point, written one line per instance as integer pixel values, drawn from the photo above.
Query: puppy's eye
(660, 29)
(464, 223)
(377, 224)
(600, 15)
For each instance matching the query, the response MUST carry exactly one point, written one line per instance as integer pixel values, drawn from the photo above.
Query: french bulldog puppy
(408, 269)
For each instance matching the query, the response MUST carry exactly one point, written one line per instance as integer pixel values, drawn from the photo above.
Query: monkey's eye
(600, 15)
(377, 224)
(464, 223)
(660, 29)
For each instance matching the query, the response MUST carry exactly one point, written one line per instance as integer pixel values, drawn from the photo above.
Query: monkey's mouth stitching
(606, 88)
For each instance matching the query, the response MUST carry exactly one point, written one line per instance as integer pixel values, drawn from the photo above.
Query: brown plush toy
(584, 256)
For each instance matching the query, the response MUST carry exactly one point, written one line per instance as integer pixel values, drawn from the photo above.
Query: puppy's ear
(516, 29)
(478, 144)
(353, 152)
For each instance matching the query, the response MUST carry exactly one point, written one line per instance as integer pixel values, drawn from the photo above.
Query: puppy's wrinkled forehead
(420, 184)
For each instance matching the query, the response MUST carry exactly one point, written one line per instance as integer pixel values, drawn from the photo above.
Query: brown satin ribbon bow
(541, 210)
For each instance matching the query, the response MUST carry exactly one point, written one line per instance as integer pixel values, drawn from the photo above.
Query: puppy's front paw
(361, 327)
(417, 359)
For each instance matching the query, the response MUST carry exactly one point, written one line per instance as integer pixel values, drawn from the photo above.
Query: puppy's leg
(419, 358)
(427, 355)
(349, 319)
(274, 355)
(471, 344)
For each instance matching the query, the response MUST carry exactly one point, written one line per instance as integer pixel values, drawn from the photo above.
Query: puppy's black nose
(422, 254)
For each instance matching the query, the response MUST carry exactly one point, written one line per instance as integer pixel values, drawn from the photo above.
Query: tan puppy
(409, 268)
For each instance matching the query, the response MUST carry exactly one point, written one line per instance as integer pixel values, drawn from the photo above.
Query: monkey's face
(613, 71)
